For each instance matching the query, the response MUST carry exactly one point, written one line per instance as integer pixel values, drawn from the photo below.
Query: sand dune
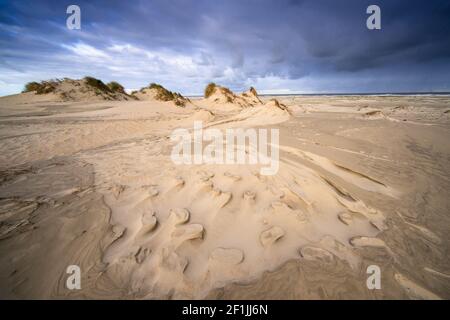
(86, 89)
(92, 184)
(223, 99)
(156, 92)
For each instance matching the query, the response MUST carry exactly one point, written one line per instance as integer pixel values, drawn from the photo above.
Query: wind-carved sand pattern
(190, 229)
(142, 227)
(195, 230)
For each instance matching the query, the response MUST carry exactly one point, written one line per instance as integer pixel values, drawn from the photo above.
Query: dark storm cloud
(287, 44)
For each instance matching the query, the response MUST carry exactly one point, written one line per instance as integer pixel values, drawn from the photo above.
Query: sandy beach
(88, 180)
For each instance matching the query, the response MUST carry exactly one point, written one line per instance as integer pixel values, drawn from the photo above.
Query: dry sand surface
(363, 180)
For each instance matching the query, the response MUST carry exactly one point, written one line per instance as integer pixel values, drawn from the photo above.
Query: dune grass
(42, 87)
(209, 90)
(116, 87)
(166, 95)
(96, 83)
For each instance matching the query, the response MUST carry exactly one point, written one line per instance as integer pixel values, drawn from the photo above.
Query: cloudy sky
(283, 46)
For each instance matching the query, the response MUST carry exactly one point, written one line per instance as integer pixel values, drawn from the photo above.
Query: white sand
(92, 184)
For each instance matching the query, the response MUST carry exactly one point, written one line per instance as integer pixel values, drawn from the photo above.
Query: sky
(283, 46)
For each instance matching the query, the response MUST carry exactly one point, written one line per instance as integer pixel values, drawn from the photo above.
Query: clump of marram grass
(97, 84)
(116, 87)
(42, 87)
(227, 91)
(155, 86)
(31, 86)
(210, 89)
(163, 94)
(47, 87)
